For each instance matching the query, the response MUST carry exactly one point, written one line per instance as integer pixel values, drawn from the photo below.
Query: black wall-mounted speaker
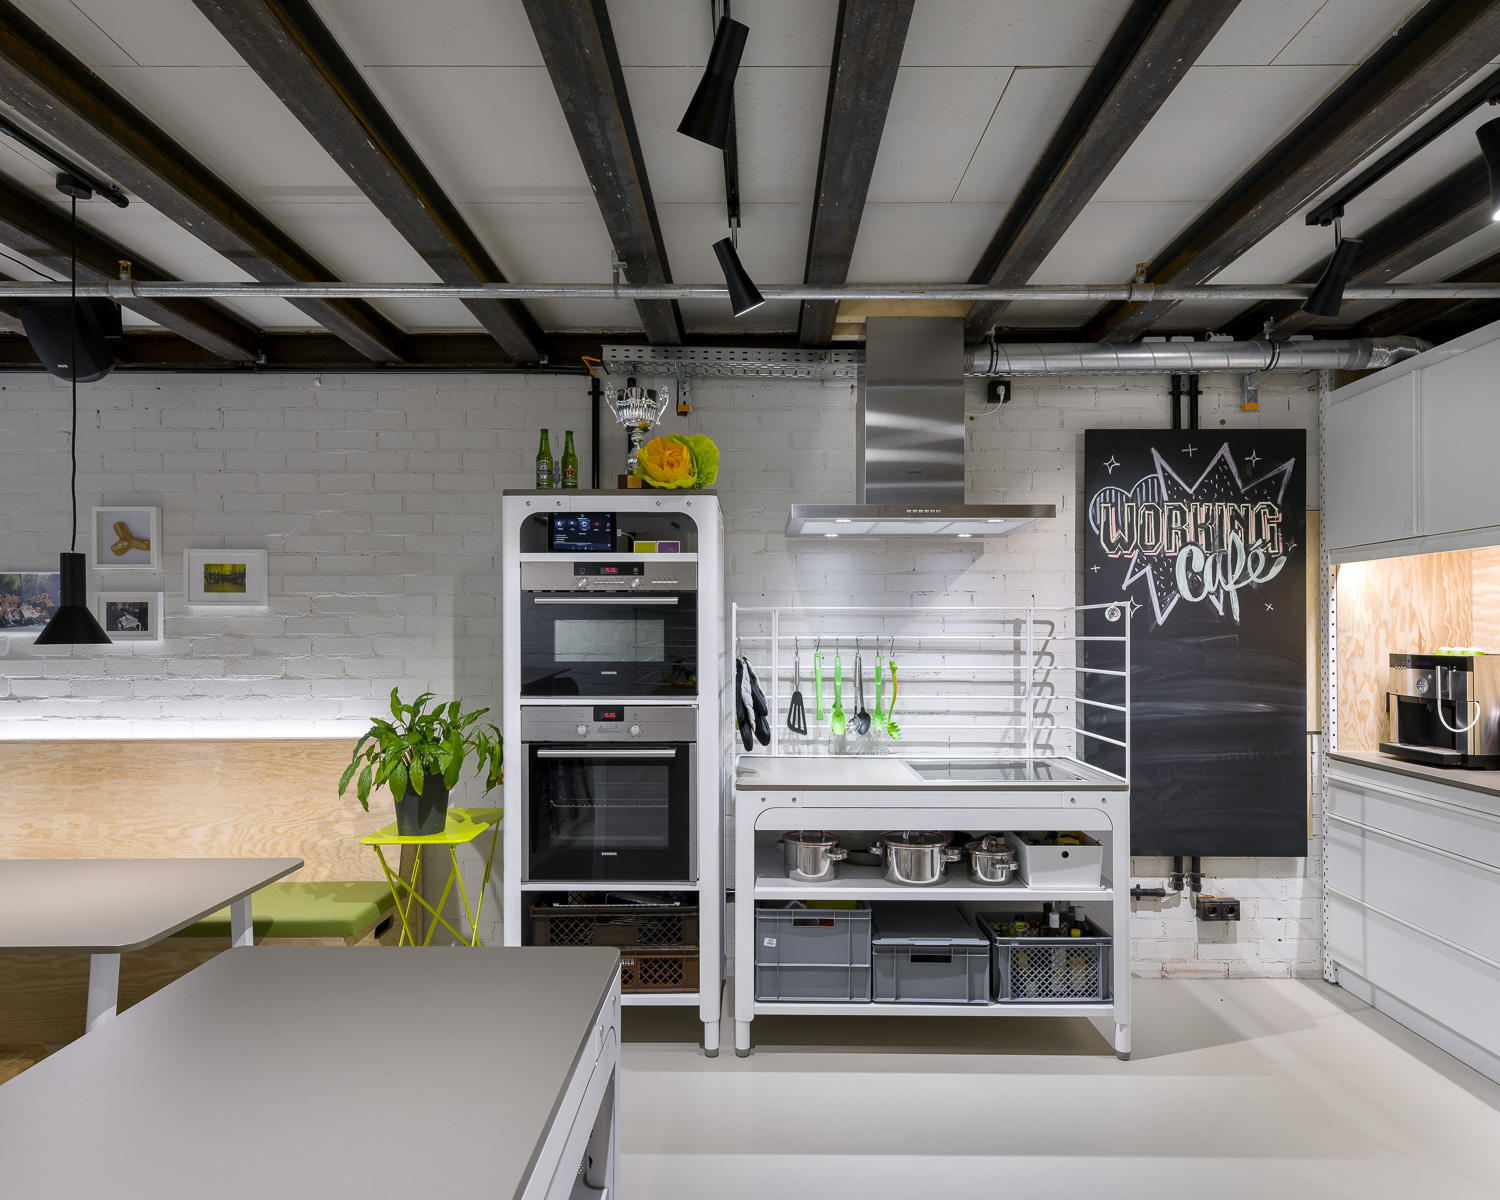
(51, 335)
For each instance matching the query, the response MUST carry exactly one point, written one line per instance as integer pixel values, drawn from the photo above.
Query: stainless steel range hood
(909, 444)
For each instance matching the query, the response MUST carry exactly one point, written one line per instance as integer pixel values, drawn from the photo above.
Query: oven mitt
(762, 709)
(741, 711)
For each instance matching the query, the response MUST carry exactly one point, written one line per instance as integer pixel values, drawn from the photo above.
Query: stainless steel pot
(914, 857)
(991, 860)
(811, 855)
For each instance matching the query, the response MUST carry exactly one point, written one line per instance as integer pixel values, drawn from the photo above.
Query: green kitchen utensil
(877, 719)
(838, 707)
(818, 680)
(890, 721)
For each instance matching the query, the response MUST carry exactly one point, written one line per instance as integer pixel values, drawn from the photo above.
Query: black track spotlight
(708, 114)
(1489, 146)
(743, 294)
(72, 624)
(1328, 296)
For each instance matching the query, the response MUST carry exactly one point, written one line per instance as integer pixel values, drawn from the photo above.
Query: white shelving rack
(518, 507)
(993, 684)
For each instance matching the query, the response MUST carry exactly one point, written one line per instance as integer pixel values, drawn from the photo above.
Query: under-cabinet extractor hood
(909, 444)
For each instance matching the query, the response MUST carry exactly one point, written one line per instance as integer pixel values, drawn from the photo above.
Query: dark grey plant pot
(419, 816)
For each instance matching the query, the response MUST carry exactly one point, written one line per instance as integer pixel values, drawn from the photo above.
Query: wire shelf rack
(971, 682)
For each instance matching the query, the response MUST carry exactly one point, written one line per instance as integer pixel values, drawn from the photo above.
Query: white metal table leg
(742, 1038)
(711, 1039)
(1122, 1041)
(104, 989)
(241, 923)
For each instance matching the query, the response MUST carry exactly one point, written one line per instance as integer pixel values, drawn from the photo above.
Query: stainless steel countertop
(812, 773)
(1487, 782)
(287, 1071)
(111, 905)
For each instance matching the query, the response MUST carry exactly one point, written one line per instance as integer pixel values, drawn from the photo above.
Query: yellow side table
(464, 825)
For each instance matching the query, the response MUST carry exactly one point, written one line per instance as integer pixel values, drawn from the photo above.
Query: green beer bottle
(544, 470)
(569, 463)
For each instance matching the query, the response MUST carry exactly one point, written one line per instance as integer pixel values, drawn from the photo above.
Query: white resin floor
(1238, 1088)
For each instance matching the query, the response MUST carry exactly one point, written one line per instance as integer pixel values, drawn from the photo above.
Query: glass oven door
(609, 813)
(609, 644)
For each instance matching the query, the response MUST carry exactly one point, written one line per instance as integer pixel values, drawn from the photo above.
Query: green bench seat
(305, 910)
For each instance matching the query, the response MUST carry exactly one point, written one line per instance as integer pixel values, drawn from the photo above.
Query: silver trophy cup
(637, 409)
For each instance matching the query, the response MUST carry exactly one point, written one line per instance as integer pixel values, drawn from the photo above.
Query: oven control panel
(606, 576)
(609, 723)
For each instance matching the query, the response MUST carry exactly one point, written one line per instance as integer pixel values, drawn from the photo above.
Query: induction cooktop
(980, 770)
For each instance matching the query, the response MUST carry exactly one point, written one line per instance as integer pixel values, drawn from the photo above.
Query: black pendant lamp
(1328, 296)
(1489, 146)
(73, 624)
(743, 294)
(708, 113)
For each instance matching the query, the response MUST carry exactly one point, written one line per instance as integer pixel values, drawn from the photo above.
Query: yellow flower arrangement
(675, 461)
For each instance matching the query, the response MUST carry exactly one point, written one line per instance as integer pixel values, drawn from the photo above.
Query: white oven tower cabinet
(523, 540)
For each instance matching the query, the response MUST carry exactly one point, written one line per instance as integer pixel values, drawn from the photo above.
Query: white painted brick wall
(377, 497)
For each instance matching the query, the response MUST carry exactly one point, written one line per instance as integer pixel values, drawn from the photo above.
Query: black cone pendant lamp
(743, 294)
(1489, 146)
(709, 111)
(73, 624)
(1328, 296)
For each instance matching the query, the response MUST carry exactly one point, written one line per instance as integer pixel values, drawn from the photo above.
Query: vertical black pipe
(1176, 401)
(1192, 402)
(595, 399)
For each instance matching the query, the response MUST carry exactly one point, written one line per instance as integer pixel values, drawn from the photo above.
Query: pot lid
(911, 839)
(810, 837)
(991, 847)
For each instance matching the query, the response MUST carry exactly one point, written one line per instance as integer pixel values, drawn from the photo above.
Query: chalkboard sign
(1201, 536)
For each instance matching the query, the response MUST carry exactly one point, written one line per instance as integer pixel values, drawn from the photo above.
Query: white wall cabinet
(1370, 465)
(1460, 427)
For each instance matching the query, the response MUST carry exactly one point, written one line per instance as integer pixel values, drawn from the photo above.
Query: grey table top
(1486, 782)
(111, 905)
(887, 773)
(379, 1071)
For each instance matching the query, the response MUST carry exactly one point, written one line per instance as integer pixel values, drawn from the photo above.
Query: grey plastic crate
(927, 952)
(1033, 970)
(812, 954)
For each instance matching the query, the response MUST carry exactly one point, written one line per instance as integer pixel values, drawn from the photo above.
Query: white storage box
(1058, 866)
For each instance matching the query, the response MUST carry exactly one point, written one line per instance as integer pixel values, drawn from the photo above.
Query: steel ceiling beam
(578, 46)
(1435, 51)
(1444, 321)
(300, 60)
(1441, 217)
(1153, 47)
(59, 95)
(37, 229)
(867, 45)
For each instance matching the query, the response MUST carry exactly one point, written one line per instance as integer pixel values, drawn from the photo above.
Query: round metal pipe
(1186, 358)
(126, 289)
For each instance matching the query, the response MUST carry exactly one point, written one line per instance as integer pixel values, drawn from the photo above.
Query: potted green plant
(419, 754)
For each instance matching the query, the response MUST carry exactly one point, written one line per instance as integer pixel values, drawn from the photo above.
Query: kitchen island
(773, 795)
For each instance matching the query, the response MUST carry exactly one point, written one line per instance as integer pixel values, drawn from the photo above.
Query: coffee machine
(1444, 710)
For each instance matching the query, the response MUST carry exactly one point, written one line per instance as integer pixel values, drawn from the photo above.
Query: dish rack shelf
(977, 682)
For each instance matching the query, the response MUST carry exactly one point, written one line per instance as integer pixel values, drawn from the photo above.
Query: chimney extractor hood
(909, 444)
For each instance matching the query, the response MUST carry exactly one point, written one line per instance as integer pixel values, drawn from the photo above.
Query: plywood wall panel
(1485, 575)
(1413, 604)
(188, 799)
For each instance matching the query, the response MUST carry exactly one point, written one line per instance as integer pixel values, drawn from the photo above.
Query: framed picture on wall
(27, 601)
(130, 616)
(127, 538)
(226, 578)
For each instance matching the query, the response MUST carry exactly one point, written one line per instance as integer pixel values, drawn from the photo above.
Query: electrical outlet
(1217, 908)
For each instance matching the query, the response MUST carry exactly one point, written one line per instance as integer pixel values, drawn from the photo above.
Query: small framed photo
(226, 578)
(27, 601)
(127, 538)
(130, 616)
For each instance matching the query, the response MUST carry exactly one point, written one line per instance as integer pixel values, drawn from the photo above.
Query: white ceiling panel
(922, 243)
(459, 33)
(1030, 108)
(1295, 246)
(773, 249)
(680, 168)
(1018, 33)
(62, 20)
(783, 33)
(1109, 238)
(1454, 259)
(1255, 33)
(1217, 122)
(937, 117)
(161, 33)
(1346, 31)
(779, 129)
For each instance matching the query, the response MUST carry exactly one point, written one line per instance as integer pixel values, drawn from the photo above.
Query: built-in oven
(617, 629)
(609, 793)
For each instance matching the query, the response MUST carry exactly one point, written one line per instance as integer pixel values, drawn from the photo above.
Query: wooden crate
(659, 969)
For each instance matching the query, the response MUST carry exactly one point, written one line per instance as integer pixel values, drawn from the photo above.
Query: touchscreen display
(574, 532)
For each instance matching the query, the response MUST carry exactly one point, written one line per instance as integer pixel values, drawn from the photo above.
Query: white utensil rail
(983, 682)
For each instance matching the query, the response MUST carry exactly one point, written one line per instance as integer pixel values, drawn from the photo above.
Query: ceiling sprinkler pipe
(1006, 359)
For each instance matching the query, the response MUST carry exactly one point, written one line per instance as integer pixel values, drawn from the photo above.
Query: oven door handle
(585, 598)
(583, 752)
